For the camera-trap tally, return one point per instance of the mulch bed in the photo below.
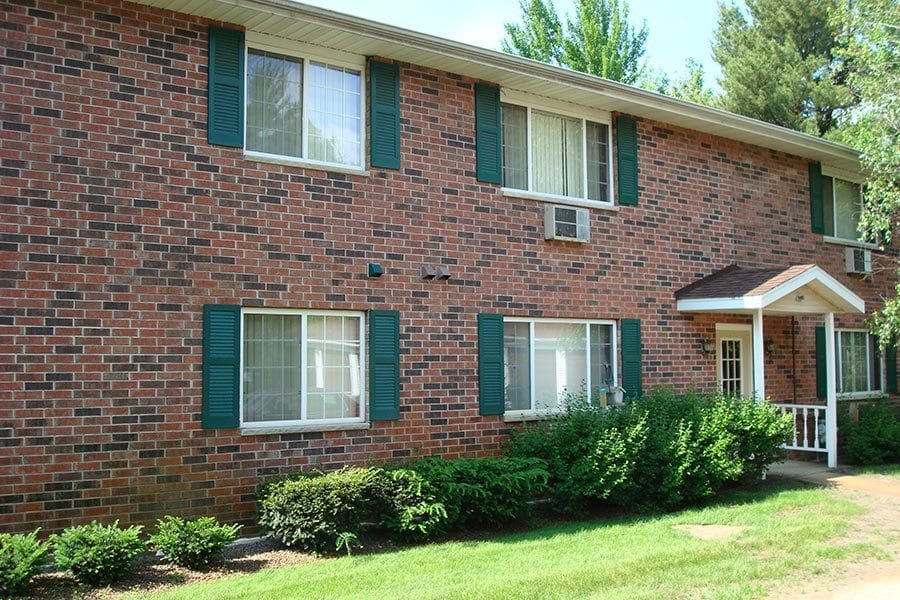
(152, 574)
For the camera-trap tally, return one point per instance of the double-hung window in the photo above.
(547, 362)
(843, 208)
(304, 106)
(858, 363)
(301, 367)
(556, 155)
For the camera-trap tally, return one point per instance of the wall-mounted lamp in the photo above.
(769, 347)
(707, 346)
(799, 298)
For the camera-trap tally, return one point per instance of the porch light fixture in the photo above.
(707, 346)
(769, 347)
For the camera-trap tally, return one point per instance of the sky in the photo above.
(679, 29)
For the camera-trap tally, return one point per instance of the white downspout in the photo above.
(759, 376)
(831, 393)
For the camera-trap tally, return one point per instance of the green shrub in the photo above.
(195, 543)
(321, 513)
(21, 558)
(874, 438)
(98, 554)
(483, 491)
(656, 453)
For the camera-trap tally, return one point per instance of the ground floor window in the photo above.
(548, 361)
(858, 363)
(301, 367)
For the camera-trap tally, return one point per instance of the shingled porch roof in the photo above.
(796, 289)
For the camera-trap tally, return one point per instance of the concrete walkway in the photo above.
(812, 472)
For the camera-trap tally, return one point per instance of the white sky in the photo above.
(679, 29)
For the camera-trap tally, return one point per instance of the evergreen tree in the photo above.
(598, 41)
(779, 63)
(871, 47)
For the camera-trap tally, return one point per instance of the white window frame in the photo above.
(836, 175)
(614, 351)
(303, 422)
(307, 53)
(530, 103)
(869, 360)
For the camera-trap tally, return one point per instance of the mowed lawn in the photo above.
(789, 535)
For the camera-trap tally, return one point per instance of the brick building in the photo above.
(240, 240)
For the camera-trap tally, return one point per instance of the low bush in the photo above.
(21, 558)
(479, 492)
(656, 453)
(194, 543)
(873, 438)
(98, 554)
(324, 513)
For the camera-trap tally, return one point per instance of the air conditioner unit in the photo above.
(858, 260)
(567, 223)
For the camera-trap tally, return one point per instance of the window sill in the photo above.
(308, 164)
(861, 395)
(250, 430)
(514, 193)
(526, 416)
(854, 243)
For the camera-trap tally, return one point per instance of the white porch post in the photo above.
(759, 376)
(831, 393)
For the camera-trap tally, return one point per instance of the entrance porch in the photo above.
(798, 290)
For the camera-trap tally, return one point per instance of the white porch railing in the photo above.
(809, 426)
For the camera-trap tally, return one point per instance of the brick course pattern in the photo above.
(119, 222)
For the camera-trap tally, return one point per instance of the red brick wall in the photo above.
(119, 222)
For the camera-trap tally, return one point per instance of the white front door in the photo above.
(734, 359)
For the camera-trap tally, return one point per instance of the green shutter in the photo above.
(384, 365)
(631, 358)
(490, 365)
(226, 87)
(488, 149)
(384, 117)
(890, 370)
(221, 362)
(821, 364)
(816, 198)
(627, 160)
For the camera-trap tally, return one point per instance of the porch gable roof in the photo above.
(796, 289)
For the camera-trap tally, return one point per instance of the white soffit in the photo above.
(312, 25)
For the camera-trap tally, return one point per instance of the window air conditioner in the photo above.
(567, 223)
(858, 260)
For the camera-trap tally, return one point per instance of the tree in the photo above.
(871, 46)
(691, 86)
(598, 41)
(779, 63)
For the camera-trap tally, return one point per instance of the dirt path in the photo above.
(876, 578)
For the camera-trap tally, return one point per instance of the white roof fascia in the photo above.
(719, 304)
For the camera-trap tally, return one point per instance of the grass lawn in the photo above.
(891, 470)
(790, 532)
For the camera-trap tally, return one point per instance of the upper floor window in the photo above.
(301, 367)
(304, 108)
(843, 208)
(548, 361)
(555, 154)
(858, 364)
